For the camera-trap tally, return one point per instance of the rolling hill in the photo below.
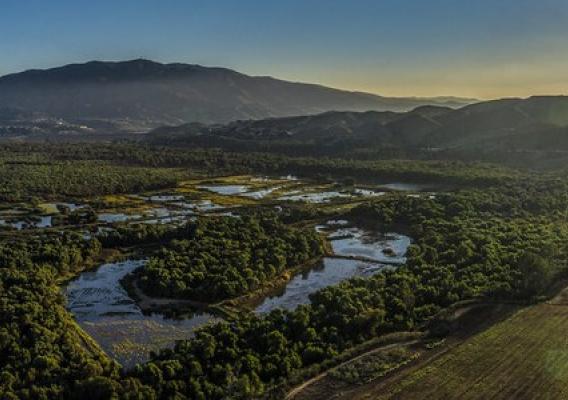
(533, 124)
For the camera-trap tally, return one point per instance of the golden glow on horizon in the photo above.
(512, 82)
(486, 78)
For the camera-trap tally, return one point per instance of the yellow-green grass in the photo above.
(192, 192)
(523, 357)
(249, 180)
(48, 208)
(228, 201)
(125, 204)
(253, 182)
(191, 189)
(187, 190)
(114, 200)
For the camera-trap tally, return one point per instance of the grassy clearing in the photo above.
(48, 208)
(191, 190)
(227, 201)
(376, 365)
(524, 357)
(249, 180)
(254, 183)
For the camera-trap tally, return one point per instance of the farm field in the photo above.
(524, 357)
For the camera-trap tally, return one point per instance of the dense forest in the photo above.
(220, 258)
(78, 170)
(505, 239)
(490, 256)
(22, 179)
(41, 351)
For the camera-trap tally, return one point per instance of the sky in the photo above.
(470, 48)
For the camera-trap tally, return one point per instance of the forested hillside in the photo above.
(517, 127)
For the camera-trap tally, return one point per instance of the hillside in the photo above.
(143, 94)
(533, 124)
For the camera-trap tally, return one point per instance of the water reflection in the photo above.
(34, 222)
(373, 249)
(321, 197)
(227, 190)
(356, 242)
(330, 272)
(104, 310)
(327, 196)
(260, 194)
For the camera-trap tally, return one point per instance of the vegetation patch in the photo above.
(219, 258)
(373, 366)
(523, 357)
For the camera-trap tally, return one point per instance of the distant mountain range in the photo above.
(533, 124)
(140, 94)
(219, 107)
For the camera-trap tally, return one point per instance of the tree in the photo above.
(535, 275)
(97, 388)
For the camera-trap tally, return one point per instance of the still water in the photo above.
(105, 311)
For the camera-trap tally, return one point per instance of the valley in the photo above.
(176, 271)
(294, 200)
(128, 328)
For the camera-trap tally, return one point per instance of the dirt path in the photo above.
(561, 299)
(365, 259)
(297, 390)
(469, 320)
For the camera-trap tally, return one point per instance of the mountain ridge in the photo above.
(151, 94)
(534, 123)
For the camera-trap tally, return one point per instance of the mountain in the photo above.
(533, 124)
(142, 94)
(511, 122)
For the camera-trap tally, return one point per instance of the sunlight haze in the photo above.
(482, 49)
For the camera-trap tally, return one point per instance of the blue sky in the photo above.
(478, 48)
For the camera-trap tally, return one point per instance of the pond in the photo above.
(356, 242)
(327, 196)
(180, 220)
(260, 194)
(321, 197)
(72, 206)
(368, 192)
(34, 222)
(176, 212)
(104, 310)
(241, 190)
(165, 198)
(117, 217)
(349, 242)
(201, 206)
(330, 272)
(150, 216)
(228, 190)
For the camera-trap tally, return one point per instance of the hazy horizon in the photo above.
(396, 48)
